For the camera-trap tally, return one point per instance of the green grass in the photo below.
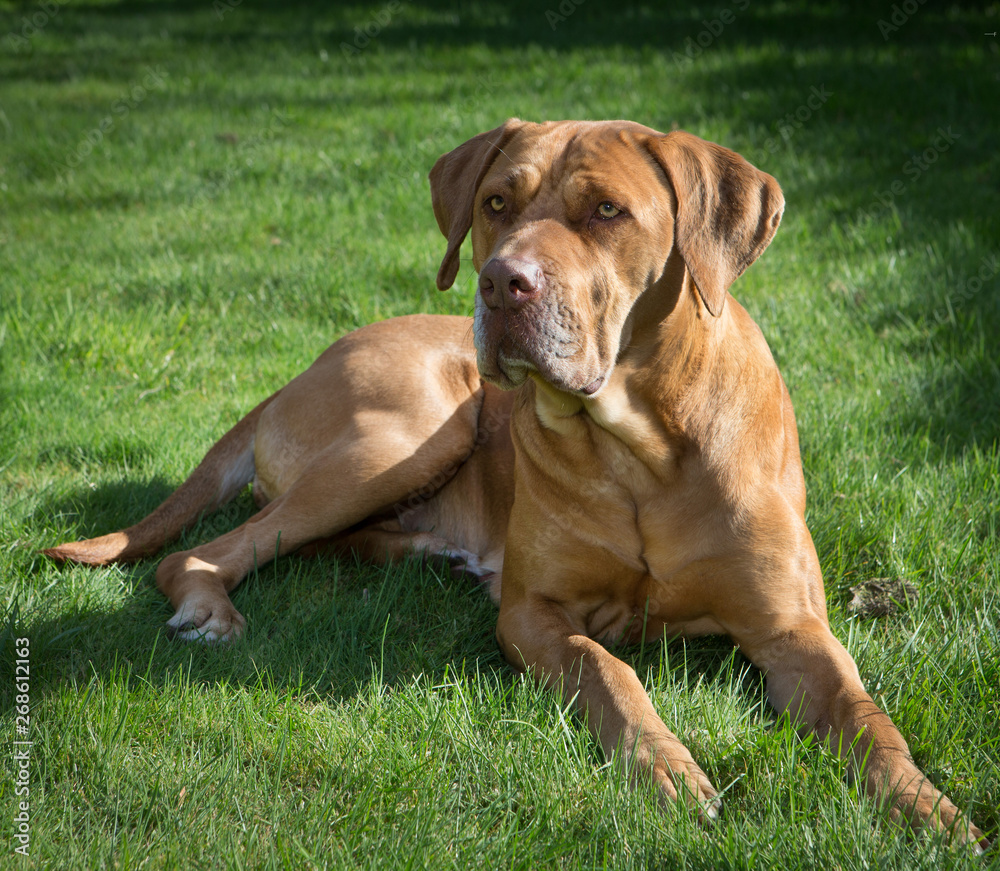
(266, 195)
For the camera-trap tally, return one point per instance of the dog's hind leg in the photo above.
(367, 468)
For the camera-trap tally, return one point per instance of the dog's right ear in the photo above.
(455, 179)
(727, 210)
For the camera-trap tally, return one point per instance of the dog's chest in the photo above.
(623, 538)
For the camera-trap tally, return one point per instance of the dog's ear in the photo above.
(727, 210)
(455, 179)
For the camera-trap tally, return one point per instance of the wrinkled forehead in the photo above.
(580, 160)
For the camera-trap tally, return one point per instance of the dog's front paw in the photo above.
(933, 811)
(678, 778)
(209, 620)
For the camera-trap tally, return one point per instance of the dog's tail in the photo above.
(227, 468)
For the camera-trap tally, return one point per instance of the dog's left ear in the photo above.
(455, 179)
(727, 210)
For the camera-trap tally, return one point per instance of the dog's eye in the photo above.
(496, 203)
(608, 210)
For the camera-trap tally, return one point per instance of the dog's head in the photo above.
(572, 221)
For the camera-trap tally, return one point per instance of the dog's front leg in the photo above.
(538, 637)
(812, 677)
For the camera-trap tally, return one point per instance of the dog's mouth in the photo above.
(505, 372)
(511, 374)
(508, 366)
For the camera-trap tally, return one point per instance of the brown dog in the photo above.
(618, 447)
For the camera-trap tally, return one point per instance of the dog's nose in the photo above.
(509, 284)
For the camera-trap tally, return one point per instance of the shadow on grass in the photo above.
(324, 626)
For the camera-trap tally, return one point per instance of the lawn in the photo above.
(197, 197)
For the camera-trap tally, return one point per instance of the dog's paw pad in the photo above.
(206, 635)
